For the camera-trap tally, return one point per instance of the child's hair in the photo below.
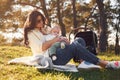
(55, 26)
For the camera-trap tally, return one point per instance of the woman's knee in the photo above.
(81, 41)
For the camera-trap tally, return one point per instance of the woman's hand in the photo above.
(65, 40)
(48, 44)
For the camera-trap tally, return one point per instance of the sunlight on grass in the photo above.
(22, 72)
(109, 56)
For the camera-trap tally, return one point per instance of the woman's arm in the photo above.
(47, 44)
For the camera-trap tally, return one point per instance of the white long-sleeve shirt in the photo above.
(36, 39)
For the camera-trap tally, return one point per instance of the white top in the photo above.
(36, 39)
(49, 37)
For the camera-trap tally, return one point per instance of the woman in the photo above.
(34, 37)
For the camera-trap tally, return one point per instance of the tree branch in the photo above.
(86, 23)
(22, 3)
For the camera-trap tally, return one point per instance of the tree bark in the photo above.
(43, 4)
(117, 47)
(74, 14)
(86, 22)
(103, 27)
(117, 50)
(60, 19)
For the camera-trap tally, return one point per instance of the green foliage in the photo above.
(22, 72)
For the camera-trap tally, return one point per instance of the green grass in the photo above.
(22, 72)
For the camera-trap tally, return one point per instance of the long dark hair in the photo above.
(31, 23)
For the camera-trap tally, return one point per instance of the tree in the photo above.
(60, 19)
(74, 14)
(117, 28)
(103, 26)
(113, 20)
(91, 13)
(4, 12)
(67, 13)
(43, 4)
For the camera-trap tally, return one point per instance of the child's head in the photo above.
(56, 30)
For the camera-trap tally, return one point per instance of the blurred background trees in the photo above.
(101, 15)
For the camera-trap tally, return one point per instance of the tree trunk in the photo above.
(117, 50)
(60, 19)
(103, 27)
(45, 11)
(92, 11)
(74, 14)
(117, 47)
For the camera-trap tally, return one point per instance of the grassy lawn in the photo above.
(22, 72)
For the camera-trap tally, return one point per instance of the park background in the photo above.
(102, 16)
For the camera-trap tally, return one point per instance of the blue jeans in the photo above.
(75, 49)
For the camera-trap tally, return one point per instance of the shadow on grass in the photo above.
(72, 75)
(102, 74)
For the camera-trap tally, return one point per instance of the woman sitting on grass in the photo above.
(35, 38)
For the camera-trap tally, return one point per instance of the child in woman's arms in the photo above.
(55, 32)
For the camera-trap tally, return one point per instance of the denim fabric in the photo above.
(75, 49)
(80, 40)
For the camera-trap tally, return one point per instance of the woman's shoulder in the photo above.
(35, 34)
(34, 31)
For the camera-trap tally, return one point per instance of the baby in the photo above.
(55, 32)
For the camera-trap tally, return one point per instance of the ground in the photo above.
(22, 72)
